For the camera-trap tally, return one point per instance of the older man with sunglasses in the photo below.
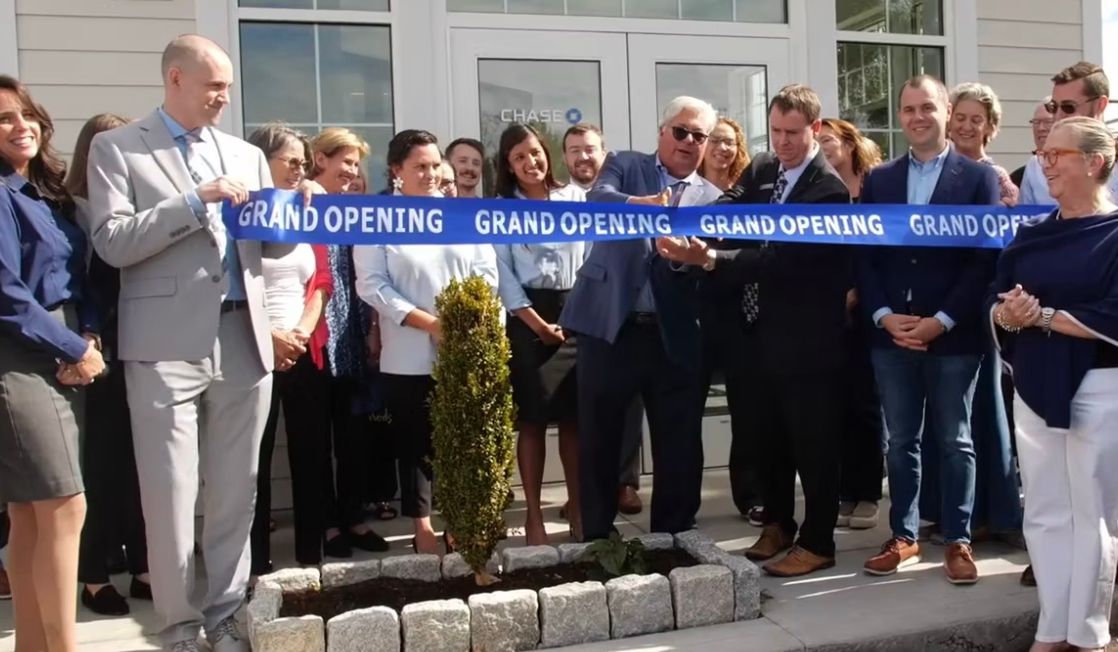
(1079, 90)
(636, 316)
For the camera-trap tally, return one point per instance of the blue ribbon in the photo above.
(279, 216)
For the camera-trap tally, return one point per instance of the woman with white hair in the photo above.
(976, 113)
(1054, 315)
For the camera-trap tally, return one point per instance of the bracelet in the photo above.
(1000, 320)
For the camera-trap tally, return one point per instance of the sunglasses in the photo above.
(1068, 107)
(681, 134)
(1052, 156)
(296, 163)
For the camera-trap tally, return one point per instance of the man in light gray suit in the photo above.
(194, 336)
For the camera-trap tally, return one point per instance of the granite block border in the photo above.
(722, 588)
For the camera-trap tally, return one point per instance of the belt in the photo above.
(230, 306)
(643, 319)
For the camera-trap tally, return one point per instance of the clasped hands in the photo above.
(911, 331)
(1018, 309)
(89, 367)
(288, 346)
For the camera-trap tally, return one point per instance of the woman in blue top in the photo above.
(1055, 319)
(48, 344)
(534, 280)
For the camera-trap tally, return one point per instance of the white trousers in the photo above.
(1071, 511)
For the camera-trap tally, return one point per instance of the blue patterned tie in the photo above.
(751, 294)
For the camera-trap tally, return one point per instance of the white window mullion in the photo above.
(317, 78)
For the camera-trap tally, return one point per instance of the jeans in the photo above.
(910, 383)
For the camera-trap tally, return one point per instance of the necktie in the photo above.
(751, 294)
(202, 171)
(677, 192)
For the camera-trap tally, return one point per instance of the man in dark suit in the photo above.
(929, 336)
(637, 322)
(787, 359)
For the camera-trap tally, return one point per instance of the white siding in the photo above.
(1021, 44)
(83, 57)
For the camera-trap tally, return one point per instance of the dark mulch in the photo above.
(396, 593)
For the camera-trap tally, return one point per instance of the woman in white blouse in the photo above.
(534, 282)
(401, 283)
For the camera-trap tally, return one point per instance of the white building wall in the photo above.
(1021, 45)
(82, 57)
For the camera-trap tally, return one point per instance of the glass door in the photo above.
(736, 75)
(550, 80)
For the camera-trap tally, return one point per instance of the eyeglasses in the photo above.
(294, 163)
(1041, 122)
(1068, 107)
(724, 142)
(1052, 156)
(681, 134)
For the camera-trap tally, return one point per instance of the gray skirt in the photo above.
(40, 422)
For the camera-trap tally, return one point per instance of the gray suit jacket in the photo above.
(171, 280)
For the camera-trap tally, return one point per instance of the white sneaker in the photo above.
(227, 638)
(846, 508)
(864, 516)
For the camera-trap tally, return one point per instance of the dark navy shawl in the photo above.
(1070, 265)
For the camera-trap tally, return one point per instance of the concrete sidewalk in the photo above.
(839, 609)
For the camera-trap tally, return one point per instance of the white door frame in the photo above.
(468, 46)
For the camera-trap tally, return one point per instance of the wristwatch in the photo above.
(1046, 315)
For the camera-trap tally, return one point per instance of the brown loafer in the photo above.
(629, 501)
(1027, 577)
(958, 564)
(896, 553)
(798, 562)
(774, 540)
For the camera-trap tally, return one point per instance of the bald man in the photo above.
(194, 336)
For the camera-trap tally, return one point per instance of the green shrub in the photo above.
(472, 416)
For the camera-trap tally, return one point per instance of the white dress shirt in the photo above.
(397, 279)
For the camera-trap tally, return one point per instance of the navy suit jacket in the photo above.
(951, 280)
(614, 273)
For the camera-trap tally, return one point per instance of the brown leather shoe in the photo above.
(5, 586)
(896, 553)
(958, 563)
(773, 541)
(1027, 577)
(628, 500)
(798, 562)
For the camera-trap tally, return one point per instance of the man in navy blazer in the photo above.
(636, 316)
(926, 304)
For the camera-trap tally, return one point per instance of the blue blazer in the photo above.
(952, 280)
(614, 273)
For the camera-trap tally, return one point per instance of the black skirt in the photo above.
(543, 376)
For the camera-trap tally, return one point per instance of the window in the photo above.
(320, 75)
(890, 16)
(870, 72)
(742, 11)
(737, 92)
(363, 5)
(870, 76)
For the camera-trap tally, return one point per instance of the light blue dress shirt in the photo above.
(922, 179)
(550, 266)
(231, 258)
(646, 301)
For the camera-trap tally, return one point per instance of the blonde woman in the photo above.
(337, 153)
(726, 156)
(976, 114)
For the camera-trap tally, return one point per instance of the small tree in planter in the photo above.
(472, 416)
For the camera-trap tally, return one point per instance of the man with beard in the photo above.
(467, 156)
(584, 152)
